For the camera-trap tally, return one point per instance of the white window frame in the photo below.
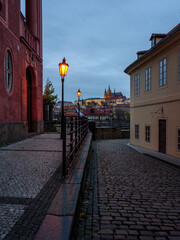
(147, 133)
(136, 131)
(163, 72)
(153, 42)
(136, 84)
(148, 79)
(8, 71)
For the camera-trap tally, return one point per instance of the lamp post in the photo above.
(79, 123)
(63, 67)
(78, 95)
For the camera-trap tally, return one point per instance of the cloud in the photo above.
(99, 39)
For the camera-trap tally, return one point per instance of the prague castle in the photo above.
(109, 95)
(110, 98)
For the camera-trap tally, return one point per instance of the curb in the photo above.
(61, 217)
(156, 155)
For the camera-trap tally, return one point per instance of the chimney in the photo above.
(140, 54)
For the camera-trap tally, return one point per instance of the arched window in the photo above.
(8, 71)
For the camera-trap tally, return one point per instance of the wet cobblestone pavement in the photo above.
(129, 196)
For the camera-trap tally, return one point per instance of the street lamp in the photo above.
(78, 95)
(63, 67)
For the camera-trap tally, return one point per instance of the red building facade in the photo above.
(21, 109)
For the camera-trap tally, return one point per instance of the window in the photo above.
(23, 7)
(8, 71)
(163, 72)
(137, 131)
(136, 81)
(148, 79)
(179, 139)
(147, 133)
(179, 64)
(153, 42)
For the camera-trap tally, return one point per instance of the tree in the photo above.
(119, 114)
(93, 103)
(127, 115)
(104, 104)
(48, 96)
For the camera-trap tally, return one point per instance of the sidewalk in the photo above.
(160, 156)
(60, 220)
(30, 177)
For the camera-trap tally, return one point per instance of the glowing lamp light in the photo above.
(63, 67)
(78, 93)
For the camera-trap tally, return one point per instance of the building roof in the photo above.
(141, 52)
(127, 105)
(71, 114)
(157, 35)
(66, 107)
(97, 113)
(167, 36)
(92, 99)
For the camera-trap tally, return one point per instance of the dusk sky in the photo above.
(99, 39)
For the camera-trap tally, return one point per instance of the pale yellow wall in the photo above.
(150, 115)
(157, 93)
(145, 106)
(98, 101)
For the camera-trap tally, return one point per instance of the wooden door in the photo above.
(162, 136)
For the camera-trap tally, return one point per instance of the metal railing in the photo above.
(77, 128)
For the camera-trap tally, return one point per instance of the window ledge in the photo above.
(162, 87)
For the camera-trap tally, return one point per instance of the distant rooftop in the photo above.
(91, 98)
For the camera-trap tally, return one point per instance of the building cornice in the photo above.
(23, 40)
(154, 101)
(155, 50)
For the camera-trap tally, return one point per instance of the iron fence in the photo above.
(77, 128)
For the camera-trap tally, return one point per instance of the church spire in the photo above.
(109, 91)
(105, 94)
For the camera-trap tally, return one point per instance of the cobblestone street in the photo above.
(129, 196)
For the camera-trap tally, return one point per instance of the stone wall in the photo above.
(111, 133)
(12, 131)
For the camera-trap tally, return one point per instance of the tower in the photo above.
(105, 94)
(109, 92)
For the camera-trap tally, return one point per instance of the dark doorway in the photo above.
(29, 100)
(162, 136)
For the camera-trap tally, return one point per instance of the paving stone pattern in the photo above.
(9, 214)
(30, 175)
(23, 174)
(129, 196)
